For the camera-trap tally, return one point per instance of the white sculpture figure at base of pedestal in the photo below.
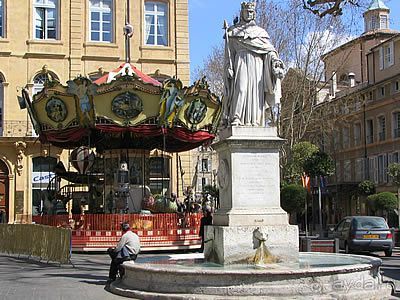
(249, 182)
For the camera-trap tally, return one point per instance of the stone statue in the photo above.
(253, 71)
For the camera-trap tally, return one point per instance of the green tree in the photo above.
(295, 166)
(366, 188)
(293, 198)
(319, 164)
(385, 201)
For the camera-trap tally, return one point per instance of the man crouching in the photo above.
(127, 248)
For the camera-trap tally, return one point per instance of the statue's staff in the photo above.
(230, 74)
(227, 49)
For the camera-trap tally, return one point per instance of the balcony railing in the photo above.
(17, 128)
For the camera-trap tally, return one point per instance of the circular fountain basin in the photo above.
(316, 275)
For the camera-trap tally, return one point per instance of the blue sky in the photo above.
(206, 20)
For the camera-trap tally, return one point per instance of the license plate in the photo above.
(371, 236)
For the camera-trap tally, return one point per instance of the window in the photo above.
(46, 19)
(359, 169)
(40, 80)
(101, 20)
(346, 137)
(370, 131)
(386, 55)
(347, 171)
(42, 173)
(396, 124)
(357, 134)
(1, 18)
(204, 182)
(156, 29)
(382, 91)
(373, 169)
(204, 165)
(382, 168)
(159, 166)
(372, 23)
(396, 86)
(1, 105)
(382, 128)
(384, 22)
(394, 158)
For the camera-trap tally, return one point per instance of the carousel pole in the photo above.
(128, 32)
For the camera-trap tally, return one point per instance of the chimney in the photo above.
(352, 79)
(333, 84)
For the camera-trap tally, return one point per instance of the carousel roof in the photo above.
(124, 109)
(126, 69)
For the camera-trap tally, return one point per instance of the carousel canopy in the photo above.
(125, 109)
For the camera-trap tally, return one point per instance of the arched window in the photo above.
(40, 79)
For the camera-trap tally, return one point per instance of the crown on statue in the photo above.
(248, 5)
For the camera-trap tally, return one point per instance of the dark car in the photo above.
(364, 233)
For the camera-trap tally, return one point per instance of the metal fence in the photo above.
(44, 242)
(97, 232)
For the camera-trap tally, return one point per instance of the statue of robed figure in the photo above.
(253, 72)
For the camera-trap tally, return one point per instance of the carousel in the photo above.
(111, 127)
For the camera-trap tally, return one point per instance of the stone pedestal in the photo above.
(249, 182)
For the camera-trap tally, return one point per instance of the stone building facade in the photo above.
(361, 113)
(64, 39)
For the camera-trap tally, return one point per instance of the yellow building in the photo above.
(56, 39)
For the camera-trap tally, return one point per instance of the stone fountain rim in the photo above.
(371, 263)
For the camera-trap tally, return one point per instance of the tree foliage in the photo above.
(366, 188)
(293, 198)
(394, 173)
(385, 201)
(295, 167)
(319, 164)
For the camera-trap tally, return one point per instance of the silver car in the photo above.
(364, 233)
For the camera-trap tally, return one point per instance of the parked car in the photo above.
(364, 233)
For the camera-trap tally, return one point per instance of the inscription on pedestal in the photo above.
(255, 180)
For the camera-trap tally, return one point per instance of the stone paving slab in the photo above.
(22, 278)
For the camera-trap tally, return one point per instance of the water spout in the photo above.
(262, 256)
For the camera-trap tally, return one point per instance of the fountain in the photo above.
(251, 250)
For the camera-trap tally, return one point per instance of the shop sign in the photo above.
(42, 177)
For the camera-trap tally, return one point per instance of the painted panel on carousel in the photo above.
(201, 109)
(171, 102)
(54, 108)
(127, 105)
(83, 91)
(126, 101)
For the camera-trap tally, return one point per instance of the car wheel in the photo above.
(346, 248)
(388, 253)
